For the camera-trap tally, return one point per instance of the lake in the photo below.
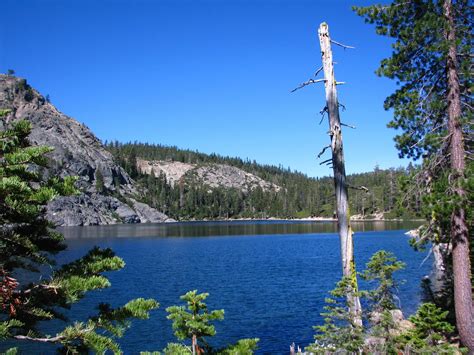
(271, 277)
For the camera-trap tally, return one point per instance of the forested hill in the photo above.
(187, 184)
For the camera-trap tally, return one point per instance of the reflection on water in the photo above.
(272, 285)
(197, 229)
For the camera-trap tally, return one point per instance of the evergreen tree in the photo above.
(28, 242)
(193, 321)
(339, 332)
(381, 299)
(430, 333)
(433, 111)
(99, 181)
(379, 270)
(380, 333)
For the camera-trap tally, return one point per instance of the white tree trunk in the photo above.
(342, 202)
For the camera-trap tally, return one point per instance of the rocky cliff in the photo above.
(77, 152)
(212, 175)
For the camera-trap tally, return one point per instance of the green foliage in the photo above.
(418, 64)
(26, 239)
(242, 347)
(99, 333)
(339, 331)
(193, 322)
(6, 326)
(177, 349)
(381, 299)
(11, 351)
(299, 197)
(28, 242)
(379, 270)
(194, 319)
(99, 181)
(430, 333)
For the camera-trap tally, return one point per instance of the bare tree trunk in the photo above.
(194, 344)
(342, 202)
(459, 229)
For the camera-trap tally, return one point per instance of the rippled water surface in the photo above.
(270, 277)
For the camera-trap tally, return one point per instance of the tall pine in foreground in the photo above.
(28, 243)
(432, 60)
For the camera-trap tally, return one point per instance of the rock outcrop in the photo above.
(77, 152)
(211, 175)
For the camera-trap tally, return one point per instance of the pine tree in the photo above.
(379, 274)
(28, 242)
(99, 181)
(380, 333)
(193, 322)
(340, 332)
(379, 270)
(433, 110)
(430, 332)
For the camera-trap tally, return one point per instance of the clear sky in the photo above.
(210, 75)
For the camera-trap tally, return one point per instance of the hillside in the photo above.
(212, 175)
(192, 185)
(77, 152)
(136, 182)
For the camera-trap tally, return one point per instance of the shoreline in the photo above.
(306, 219)
(256, 220)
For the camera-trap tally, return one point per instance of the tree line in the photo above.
(300, 196)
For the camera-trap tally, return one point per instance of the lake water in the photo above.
(270, 277)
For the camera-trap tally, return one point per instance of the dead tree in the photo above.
(337, 161)
(340, 184)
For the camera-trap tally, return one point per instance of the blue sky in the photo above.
(208, 75)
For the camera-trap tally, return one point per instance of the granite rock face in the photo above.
(91, 209)
(77, 152)
(148, 214)
(211, 175)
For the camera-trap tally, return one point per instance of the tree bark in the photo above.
(459, 229)
(342, 203)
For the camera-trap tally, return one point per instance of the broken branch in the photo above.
(362, 188)
(341, 45)
(323, 112)
(306, 83)
(348, 125)
(322, 151)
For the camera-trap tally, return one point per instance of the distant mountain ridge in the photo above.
(77, 152)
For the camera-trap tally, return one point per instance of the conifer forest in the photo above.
(113, 240)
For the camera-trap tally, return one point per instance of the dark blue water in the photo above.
(272, 286)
